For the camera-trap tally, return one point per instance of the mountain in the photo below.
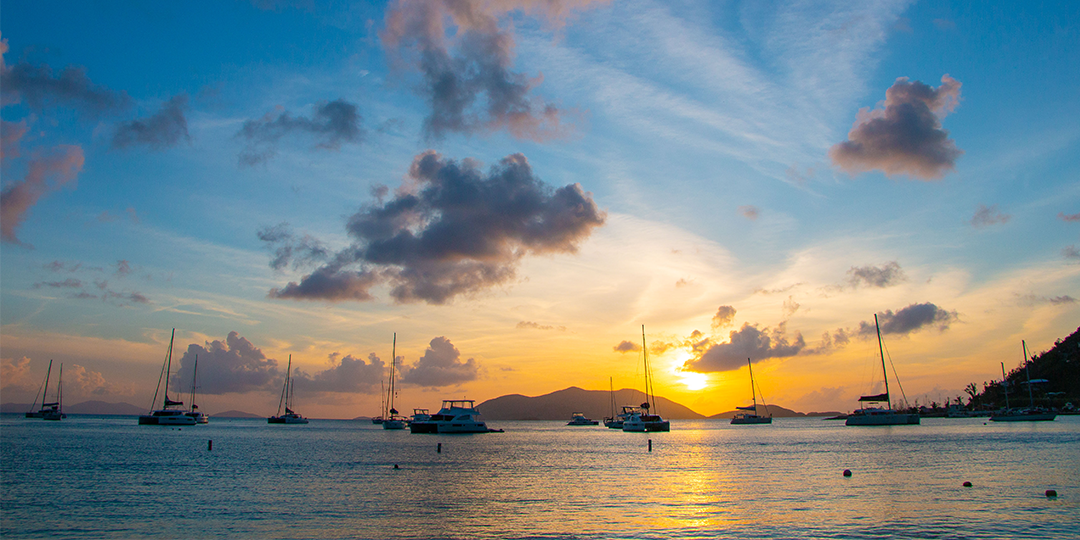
(778, 412)
(1059, 368)
(235, 414)
(596, 404)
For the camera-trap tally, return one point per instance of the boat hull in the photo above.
(751, 419)
(640, 426)
(393, 424)
(613, 424)
(287, 419)
(882, 419)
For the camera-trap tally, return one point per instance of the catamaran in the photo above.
(55, 411)
(393, 420)
(749, 414)
(39, 413)
(641, 419)
(290, 416)
(166, 415)
(876, 416)
(1031, 414)
(199, 416)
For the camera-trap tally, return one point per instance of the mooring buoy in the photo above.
(1051, 493)
(209, 445)
(438, 449)
(847, 472)
(967, 484)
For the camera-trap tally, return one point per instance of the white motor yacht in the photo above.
(455, 416)
(579, 419)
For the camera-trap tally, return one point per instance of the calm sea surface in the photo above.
(106, 477)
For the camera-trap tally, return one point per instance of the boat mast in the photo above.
(285, 389)
(194, 381)
(1027, 368)
(881, 350)
(611, 392)
(60, 390)
(168, 367)
(393, 362)
(645, 355)
(753, 393)
(44, 391)
(1005, 385)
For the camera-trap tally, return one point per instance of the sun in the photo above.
(694, 381)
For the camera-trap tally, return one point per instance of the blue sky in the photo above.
(700, 136)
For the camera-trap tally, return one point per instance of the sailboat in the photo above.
(290, 416)
(1031, 414)
(750, 416)
(876, 416)
(199, 416)
(640, 419)
(32, 413)
(55, 411)
(615, 421)
(166, 415)
(393, 420)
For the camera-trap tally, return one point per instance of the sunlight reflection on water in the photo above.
(106, 476)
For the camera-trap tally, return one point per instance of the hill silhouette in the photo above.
(777, 412)
(1059, 367)
(559, 405)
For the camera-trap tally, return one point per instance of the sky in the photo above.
(513, 189)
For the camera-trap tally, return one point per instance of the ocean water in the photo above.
(106, 477)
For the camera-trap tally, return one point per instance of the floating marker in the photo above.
(847, 472)
(396, 467)
(1051, 493)
(650, 445)
(967, 484)
(438, 449)
(209, 445)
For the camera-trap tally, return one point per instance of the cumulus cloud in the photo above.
(330, 125)
(904, 137)
(165, 128)
(465, 59)
(724, 316)
(910, 319)
(986, 216)
(233, 365)
(13, 372)
(39, 88)
(453, 231)
(84, 382)
(748, 342)
(350, 374)
(1068, 217)
(441, 365)
(626, 346)
(879, 277)
(749, 212)
(46, 171)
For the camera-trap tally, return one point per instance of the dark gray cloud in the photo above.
(1068, 217)
(287, 248)
(350, 374)
(1063, 299)
(454, 231)
(441, 365)
(986, 216)
(163, 129)
(331, 125)
(724, 316)
(910, 319)
(46, 171)
(748, 342)
(880, 277)
(233, 365)
(67, 283)
(40, 89)
(906, 136)
(626, 346)
(466, 59)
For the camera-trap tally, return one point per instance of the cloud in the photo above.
(985, 217)
(441, 365)
(40, 89)
(46, 171)
(67, 283)
(288, 249)
(13, 372)
(81, 381)
(123, 268)
(1070, 253)
(1064, 299)
(747, 342)
(749, 212)
(351, 374)
(910, 319)
(331, 125)
(165, 128)
(538, 326)
(453, 231)
(724, 316)
(879, 277)
(626, 346)
(465, 60)
(10, 135)
(1068, 217)
(906, 136)
(233, 365)
(791, 306)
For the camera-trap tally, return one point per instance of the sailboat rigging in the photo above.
(194, 412)
(1031, 414)
(876, 416)
(393, 420)
(290, 416)
(166, 415)
(39, 413)
(55, 410)
(641, 419)
(750, 416)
